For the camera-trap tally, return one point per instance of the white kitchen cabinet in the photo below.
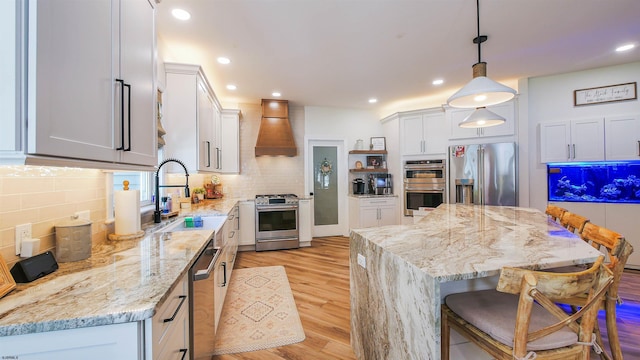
(423, 133)
(247, 238)
(228, 149)
(621, 218)
(199, 132)
(170, 324)
(117, 341)
(372, 211)
(575, 140)
(304, 221)
(189, 110)
(622, 137)
(507, 110)
(90, 84)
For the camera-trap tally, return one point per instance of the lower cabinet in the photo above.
(247, 236)
(372, 211)
(170, 325)
(118, 341)
(304, 221)
(621, 218)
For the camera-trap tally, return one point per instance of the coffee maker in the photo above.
(359, 186)
(382, 184)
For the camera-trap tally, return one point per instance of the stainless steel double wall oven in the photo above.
(425, 183)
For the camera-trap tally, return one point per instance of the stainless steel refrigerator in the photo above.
(483, 174)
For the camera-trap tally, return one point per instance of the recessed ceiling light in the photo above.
(438, 82)
(224, 60)
(625, 47)
(231, 87)
(276, 94)
(181, 14)
(373, 101)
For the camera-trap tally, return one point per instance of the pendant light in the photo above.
(481, 91)
(481, 117)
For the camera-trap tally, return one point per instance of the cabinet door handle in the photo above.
(208, 153)
(128, 148)
(184, 353)
(224, 273)
(121, 147)
(173, 317)
(638, 147)
(574, 151)
(219, 158)
(568, 151)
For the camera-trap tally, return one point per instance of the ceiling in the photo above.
(340, 53)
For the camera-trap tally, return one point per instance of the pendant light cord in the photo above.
(478, 22)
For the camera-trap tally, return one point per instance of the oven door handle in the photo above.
(438, 190)
(424, 167)
(203, 274)
(276, 207)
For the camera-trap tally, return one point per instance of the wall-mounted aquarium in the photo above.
(611, 182)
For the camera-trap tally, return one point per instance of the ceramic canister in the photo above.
(73, 240)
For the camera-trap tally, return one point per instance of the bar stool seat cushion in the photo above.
(494, 313)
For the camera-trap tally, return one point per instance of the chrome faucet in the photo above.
(157, 212)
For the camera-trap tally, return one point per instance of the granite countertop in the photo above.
(122, 281)
(456, 242)
(362, 196)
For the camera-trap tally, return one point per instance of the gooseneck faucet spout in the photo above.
(157, 212)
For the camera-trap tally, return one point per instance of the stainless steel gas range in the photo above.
(277, 225)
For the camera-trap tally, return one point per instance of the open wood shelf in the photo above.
(368, 152)
(364, 170)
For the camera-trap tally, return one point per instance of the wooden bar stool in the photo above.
(573, 222)
(555, 212)
(525, 300)
(618, 251)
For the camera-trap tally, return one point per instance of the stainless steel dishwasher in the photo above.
(202, 287)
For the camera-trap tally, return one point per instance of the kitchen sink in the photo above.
(213, 222)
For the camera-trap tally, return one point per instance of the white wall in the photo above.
(550, 98)
(336, 123)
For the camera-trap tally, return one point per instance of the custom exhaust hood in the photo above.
(275, 136)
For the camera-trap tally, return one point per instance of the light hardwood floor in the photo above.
(319, 278)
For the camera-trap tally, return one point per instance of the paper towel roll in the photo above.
(127, 212)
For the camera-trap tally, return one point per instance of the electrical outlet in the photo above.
(84, 215)
(23, 232)
(362, 261)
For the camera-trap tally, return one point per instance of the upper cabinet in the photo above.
(199, 132)
(575, 140)
(598, 139)
(506, 110)
(228, 149)
(423, 133)
(622, 137)
(89, 88)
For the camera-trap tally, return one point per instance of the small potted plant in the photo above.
(199, 193)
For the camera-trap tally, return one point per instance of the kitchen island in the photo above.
(121, 286)
(400, 274)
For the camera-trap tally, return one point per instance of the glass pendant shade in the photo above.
(482, 117)
(481, 92)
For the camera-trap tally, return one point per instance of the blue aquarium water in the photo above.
(611, 182)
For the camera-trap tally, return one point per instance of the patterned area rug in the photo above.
(259, 312)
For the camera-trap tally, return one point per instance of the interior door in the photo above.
(326, 179)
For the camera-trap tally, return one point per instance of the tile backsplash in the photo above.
(44, 196)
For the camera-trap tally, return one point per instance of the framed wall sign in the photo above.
(378, 143)
(605, 94)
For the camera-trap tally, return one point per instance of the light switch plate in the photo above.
(84, 215)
